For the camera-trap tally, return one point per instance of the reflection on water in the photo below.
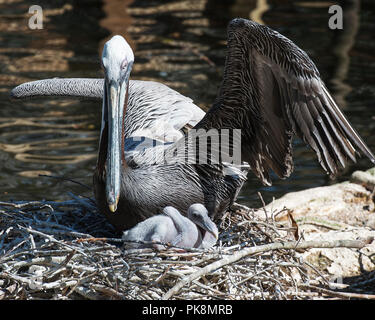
(179, 43)
(257, 13)
(343, 43)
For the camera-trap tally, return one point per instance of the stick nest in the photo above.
(47, 251)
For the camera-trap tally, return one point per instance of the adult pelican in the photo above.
(271, 90)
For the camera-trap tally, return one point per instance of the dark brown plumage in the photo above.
(271, 90)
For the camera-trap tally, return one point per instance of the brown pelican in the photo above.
(195, 231)
(271, 90)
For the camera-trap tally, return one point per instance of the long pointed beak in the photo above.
(115, 99)
(208, 225)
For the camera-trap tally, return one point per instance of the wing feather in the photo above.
(271, 90)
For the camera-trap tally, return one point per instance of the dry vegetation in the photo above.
(52, 250)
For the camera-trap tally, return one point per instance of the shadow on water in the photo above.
(179, 43)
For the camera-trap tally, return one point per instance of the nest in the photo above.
(60, 250)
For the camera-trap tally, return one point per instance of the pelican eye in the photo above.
(124, 64)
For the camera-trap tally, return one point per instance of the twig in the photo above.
(82, 202)
(107, 291)
(348, 295)
(66, 179)
(263, 205)
(50, 238)
(236, 206)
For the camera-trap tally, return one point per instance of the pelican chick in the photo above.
(172, 228)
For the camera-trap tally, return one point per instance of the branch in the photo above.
(339, 294)
(264, 248)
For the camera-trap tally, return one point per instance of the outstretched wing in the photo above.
(154, 110)
(271, 90)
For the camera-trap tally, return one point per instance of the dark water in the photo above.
(179, 43)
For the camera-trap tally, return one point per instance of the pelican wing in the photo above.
(154, 110)
(271, 90)
(180, 222)
(158, 112)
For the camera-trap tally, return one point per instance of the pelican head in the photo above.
(199, 215)
(117, 61)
